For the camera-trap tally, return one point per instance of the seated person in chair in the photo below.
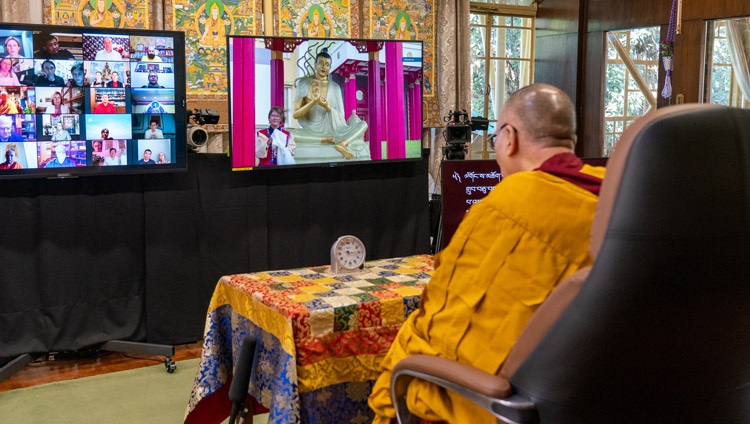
(509, 252)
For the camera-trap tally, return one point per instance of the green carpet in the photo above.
(144, 395)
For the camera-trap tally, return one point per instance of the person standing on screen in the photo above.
(153, 132)
(153, 81)
(61, 159)
(7, 106)
(150, 55)
(319, 108)
(146, 158)
(162, 159)
(60, 133)
(101, 17)
(108, 53)
(7, 130)
(105, 134)
(7, 76)
(48, 77)
(115, 83)
(105, 106)
(78, 76)
(274, 145)
(57, 104)
(10, 159)
(50, 48)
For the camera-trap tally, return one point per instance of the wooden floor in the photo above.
(44, 371)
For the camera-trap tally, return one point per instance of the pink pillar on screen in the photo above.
(394, 77)
(415, 110)
(383, 111)
(374, 104)
(243, 103)
(350, 95)
(410, 111)
(277, 79)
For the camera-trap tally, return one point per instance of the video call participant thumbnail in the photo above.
(150, 55)
(105, 106)
(147, 158)
(49, 47)
(12, 48)
(7, 76)
(108, 52)
(8, 130)
(60, 159)
(49, 77)
(10, 159)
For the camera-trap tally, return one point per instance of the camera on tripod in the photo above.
(197, 136)
(458, 133)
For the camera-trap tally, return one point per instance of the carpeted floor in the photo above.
(144, 395)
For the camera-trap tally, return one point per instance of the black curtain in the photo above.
(137, 257)
(73, 270)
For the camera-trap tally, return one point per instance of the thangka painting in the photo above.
(412, 20)
(206, 25)
(318, 18)
(97, 13)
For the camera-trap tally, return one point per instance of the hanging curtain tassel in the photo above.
(667, 91)
(667, 50)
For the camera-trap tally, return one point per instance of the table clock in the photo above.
(347, 255)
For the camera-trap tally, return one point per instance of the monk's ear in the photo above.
(511, 140)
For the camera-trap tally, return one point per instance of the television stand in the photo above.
(143, 349)
(123, 346)
(14, 366)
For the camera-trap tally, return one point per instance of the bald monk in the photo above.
(509, 252)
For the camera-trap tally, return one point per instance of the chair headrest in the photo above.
(616, 165)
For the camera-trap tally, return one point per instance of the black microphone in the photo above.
(241, 377)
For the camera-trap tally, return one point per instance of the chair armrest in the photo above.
(490, 392)
(455, 373)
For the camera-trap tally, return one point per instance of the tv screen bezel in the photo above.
(178, 163)
(262, 116)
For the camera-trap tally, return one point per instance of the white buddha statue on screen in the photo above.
(325, 135)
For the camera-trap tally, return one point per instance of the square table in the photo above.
(320, 336)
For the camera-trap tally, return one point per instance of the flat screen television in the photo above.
(86, 101)
(343, 101)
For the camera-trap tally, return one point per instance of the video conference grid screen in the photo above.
(85, 99)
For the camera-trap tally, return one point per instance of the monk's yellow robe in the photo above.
(511, 249)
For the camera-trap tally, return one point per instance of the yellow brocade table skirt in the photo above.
(321, 338)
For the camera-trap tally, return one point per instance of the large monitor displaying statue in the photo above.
(325, 102)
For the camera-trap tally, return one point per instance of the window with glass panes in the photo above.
(721, 86)
(631, 82)
(502, 61)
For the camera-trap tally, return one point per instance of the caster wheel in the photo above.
(170, 365)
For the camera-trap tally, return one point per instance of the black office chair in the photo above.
(659, 331)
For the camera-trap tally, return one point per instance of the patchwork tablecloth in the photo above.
(321, 338)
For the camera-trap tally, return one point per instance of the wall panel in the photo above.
(604, 15)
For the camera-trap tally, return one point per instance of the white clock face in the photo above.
(350, 253)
